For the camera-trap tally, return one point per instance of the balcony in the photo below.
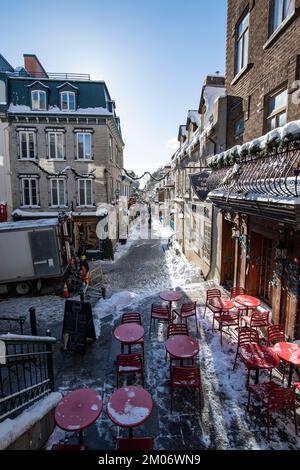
(52, 76)
(264, 183)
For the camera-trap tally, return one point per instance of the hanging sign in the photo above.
(199, 183)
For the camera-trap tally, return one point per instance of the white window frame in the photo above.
(56, 146)
(79, 203)
(39, 100)
(27, 133)
(241, 38)
(68, 93)
(30, 178)
(84, 150)
(279, 111)
(283, 19)
(60, 203)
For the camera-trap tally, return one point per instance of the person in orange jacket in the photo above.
(84, 270)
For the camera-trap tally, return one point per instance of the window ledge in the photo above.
(279, 30)
(85, 160)
(27, 159)
(241, 73)
(30, 207)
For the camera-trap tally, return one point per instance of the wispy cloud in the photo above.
(172, 144)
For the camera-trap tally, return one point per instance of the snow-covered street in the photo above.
(141, 270)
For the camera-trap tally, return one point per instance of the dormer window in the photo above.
(67, 101)
(38, 100)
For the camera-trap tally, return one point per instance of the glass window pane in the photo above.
(245, 50)
(71, 102)
(31, 144)
(33, 192)
(26, 197)
(23, 145)
(61, 189)
(277, 101)
(88, 192)
(243, 24)
(54, 192)
(60, 145)
(81, 193)
(52, 153)
(282, 119)
(80, 145)
(88, 146)
(42, 100)
(288, 7)
(35, 100)
(64, 101)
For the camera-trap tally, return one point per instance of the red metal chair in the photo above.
(257, 319)
(133, 317)
(226, 318)
(186, 311)
(275, 334)
(211, 294)
(246, 335)
(185, 377)
(275, 398)
(129, 364)
(159, 312)
(235, 291)
(177, 329)
(135, 443)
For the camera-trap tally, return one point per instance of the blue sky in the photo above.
(153, 55)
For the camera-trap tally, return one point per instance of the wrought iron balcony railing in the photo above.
(274, 174)
(53, 76)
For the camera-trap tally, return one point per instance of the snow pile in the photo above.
(112, 306)
(12, 429)
(181, 272)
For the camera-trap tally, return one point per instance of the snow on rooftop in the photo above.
(24, 224)
(23, 109)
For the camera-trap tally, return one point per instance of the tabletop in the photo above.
(130, 406)
(182, 346)
(170, 296)
(247, 301)
(78, 410)
(289, 352)
(258, 356)
(222, 303)
(129, 332)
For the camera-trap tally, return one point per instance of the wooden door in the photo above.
(228, 255)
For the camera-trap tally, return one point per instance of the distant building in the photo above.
(65, 146)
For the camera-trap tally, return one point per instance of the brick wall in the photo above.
(269, 67)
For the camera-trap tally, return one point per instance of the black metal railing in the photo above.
(54, 76)
(273, 174)
(12, 325)
(26, 372)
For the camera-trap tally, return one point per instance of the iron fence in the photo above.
(26, 372)
(15, 325)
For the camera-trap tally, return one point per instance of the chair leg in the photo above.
(283, 372)
(204, 311)
(197, 329)
(221, 335)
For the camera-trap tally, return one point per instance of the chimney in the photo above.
(33, 66)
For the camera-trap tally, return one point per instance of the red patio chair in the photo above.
(129, 364)
(246, 335)
(186, 311)
(133, 317)
(69, 447)
(275, 398)
(159, 312)
(177, 329)
(185, 377)
(257, 319)
(275, 334)
(211, 294)
(226, 318)
(135, 443)
(235, 291)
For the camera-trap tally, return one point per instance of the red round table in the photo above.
(288, 352)
(182, 347)
(257, 357)
(129, 333)
(170, 296)
(78, 410)
(222, 303)
(247, 301)
(129, 407)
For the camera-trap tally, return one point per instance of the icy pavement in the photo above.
(135, 280)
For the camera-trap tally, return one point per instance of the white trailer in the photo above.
(30, 251)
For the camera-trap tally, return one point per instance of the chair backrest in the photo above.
(177, 329)
(135, 443)
(235, 291)
(275, 334)
(190, 307)
(281, 398)
(247, 335)
(129, 360)
(232, 315)
(188, 376)
(131, 317)
(259, 318)
(211, 293)
(161, 309)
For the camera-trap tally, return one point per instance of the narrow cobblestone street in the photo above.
(143, 270)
